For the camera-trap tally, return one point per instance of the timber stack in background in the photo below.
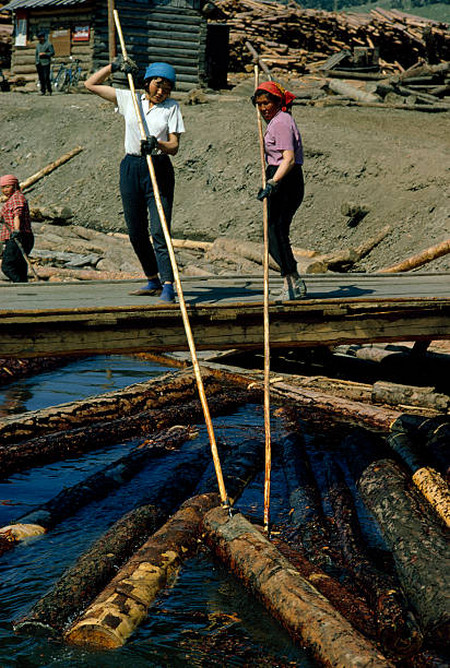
(292, 38)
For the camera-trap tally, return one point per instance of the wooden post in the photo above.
(111, 32)
(183, 309)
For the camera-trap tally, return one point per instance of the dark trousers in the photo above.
(14, 265)
(281, 209)
(44, 78)
(138, 198)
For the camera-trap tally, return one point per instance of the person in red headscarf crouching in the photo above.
(16, 230)
(285, 186)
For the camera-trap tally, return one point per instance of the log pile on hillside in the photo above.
(291, 38)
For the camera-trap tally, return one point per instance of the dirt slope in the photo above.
(396, 163)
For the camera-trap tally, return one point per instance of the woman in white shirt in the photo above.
(163, 124)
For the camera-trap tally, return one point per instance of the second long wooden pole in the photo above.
(176, 275)
(268, 444)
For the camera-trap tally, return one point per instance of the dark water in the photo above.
(204, 619)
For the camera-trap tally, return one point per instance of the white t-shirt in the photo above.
(159, 120)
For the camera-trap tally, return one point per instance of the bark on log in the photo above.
(352, 607)
(419, 545)
(57, 213)
(343, 88)
(431, 435)
(306, 614)
(398, 631)
(81, 583)
(341, 409)
(60, 445)
(164, 390)
(419, 259)
(124, 603)
(254, 251)
(96, 486)
(50, 167)
(396, 394)
(428, 481)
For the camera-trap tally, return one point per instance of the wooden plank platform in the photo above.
(38, 319)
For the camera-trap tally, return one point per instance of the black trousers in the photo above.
(138, 200)
(44, 78)
(282, 206)
(14, 265)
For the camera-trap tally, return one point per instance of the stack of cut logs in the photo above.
(290, 37)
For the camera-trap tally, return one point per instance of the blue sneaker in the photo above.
(153, 287)
(168, 293)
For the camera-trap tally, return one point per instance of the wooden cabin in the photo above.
(175, 31)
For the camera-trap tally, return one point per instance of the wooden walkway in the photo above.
(39, 319)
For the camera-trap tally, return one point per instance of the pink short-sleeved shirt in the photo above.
(282, 134)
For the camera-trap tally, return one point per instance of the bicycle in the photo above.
(72, 75)
(65, 76)
(56, 76)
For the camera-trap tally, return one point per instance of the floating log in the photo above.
(96, 486)
(352, 607)
(82, 582)
(428, 481)
(239, 465)
(419, 545)
(398, 631)
(50, 168)
(124, 603)
(419, 259)
(167, 389)
(12, 368)
(341, 409)
(431, 435)
(396, 394)
(306, 614)
(307, 518)
(61, 445)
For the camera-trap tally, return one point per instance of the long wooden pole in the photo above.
(268, 446)
(183, 309)
(111, 31)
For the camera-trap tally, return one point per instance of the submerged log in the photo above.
(61, 445)
(123, 604)
(164, 390)
(419, 545)
(307, 615)
(82, 582)
(96, 486)
(12, 368)
(398, 631)
(239, 466)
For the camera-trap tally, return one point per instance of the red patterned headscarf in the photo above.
(9, 180)
(277, 90)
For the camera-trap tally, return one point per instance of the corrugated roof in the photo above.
(34, 4)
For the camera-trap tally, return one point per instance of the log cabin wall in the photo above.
(174, 31)
(51, 21)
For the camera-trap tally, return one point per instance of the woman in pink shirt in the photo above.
(285, 188)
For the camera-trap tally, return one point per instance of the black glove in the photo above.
(126, 65)
(148, 145)
(15, 234)
(268, 191)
